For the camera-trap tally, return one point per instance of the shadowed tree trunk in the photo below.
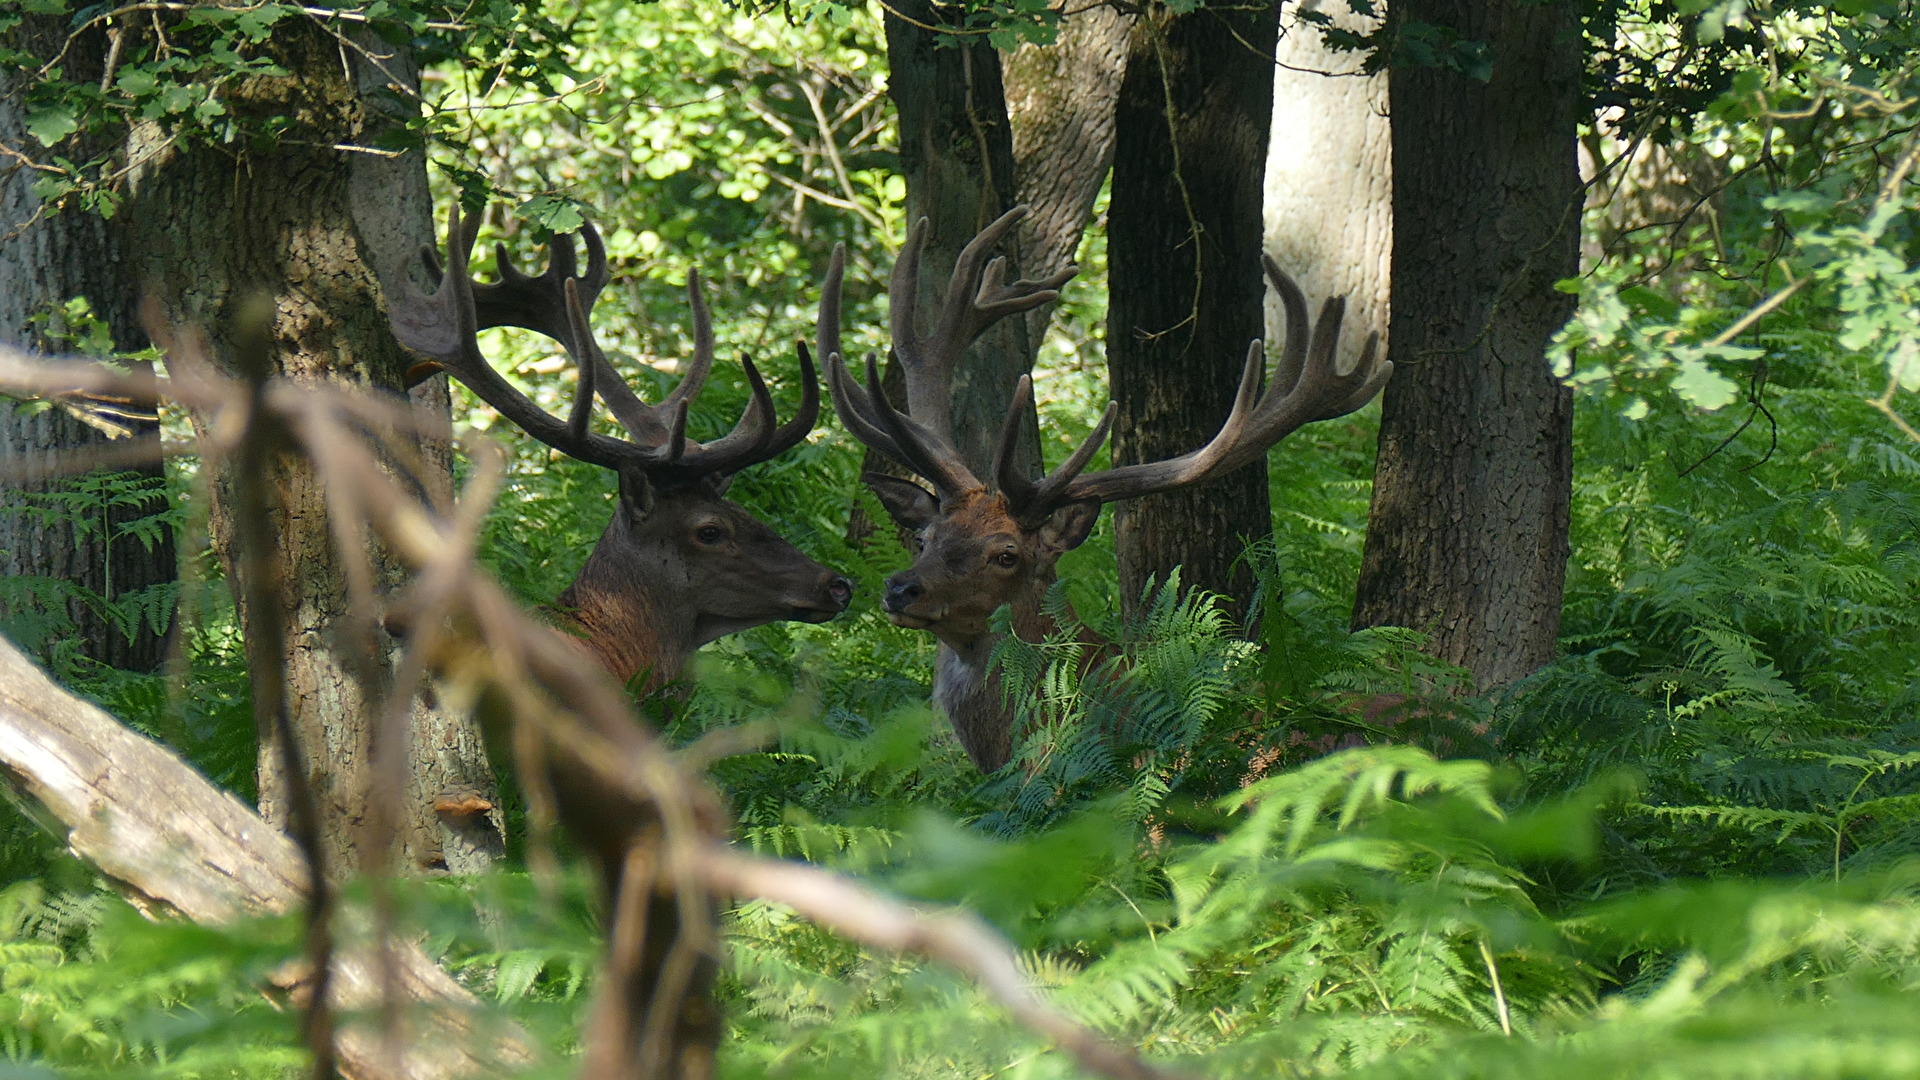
(956, 152)
(48, 257)
(1467, 538)
(307, 225)
(1185, 287)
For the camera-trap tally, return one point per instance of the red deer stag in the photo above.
(980, 545)
(679, 565)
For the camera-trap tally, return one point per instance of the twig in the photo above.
(957, 939)
(259, 445)
(1884, 403)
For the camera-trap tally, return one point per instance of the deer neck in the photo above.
(968, 690)
(623, 625)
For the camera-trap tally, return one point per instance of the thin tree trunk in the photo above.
(48, 257)
(1467, 538)
(1060, 101)
(1185, 287)
(308, 226)
(1330, 177)
(956, 152)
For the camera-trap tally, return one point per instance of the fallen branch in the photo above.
(173, 843)
(955, 938)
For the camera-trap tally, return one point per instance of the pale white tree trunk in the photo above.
(1329, 186)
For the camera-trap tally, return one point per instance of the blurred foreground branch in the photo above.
(653, 828)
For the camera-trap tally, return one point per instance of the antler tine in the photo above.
(977, 297)
(749, 438)
(850, 403)
(652, 426)
(1293, 357)
(1377, 376)
(537, 303)
(443, 328)
(790, 434)
(702, 361)
(827, 326)
(1023, 495)
(913, 445)
(1049, 492)
(582, 411)
(1006, 471)
(1306, 387)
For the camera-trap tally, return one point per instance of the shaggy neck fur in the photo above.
(971, 696)
(629, 631)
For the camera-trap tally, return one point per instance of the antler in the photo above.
(977, 297)
(443, 328)
(1306, 387)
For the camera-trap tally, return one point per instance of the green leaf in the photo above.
(552, 213)
(52, 123)
(136, 81)
(257, 23)
(1700, 385)
(1652, 301)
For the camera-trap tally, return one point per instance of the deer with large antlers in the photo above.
(679, 565)
(981, 544)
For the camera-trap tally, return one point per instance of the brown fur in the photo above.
(973, 556)
(656, 587)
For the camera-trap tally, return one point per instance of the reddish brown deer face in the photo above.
(980, 545)
(971, 556)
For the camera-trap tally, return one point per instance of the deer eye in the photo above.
(710, 534)
(1008, 559)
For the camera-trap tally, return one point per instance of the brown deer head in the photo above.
(679, 565)
(980, 544)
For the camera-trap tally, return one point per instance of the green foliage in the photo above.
(1684, 850)
(103, 508)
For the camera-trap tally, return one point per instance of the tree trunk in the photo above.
(1185, 287)
(47, 257)
(1060, 102)
(956, 152)
(1467, 537)
(1329, 181)
(308, 225)
(172, 843)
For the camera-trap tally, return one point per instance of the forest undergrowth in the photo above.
(1689, 848)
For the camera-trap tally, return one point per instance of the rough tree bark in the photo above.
(1184, 284)
(1467, 537)
(172, 843)
(308, 225)
(1329, 184)
(956, 152)
(1060, 102)
(48, 257)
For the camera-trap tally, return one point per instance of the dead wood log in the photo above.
(174, 844)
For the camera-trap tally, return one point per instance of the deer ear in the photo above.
(1069, 526)
(636, 492)
(908, 504)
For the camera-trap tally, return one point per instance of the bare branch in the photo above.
(955, 938)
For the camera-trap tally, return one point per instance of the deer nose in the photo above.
(902, 591)
(840, 590)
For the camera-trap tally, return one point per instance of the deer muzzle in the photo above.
(835, 592)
